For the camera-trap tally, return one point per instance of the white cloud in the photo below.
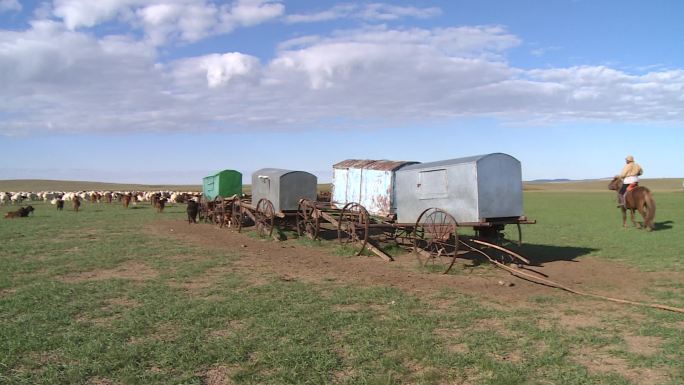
(57, 79)
(217, 70)
(384, 52)
(368, 12)
(336, 12)
(185, 20)
(386, 12)
(88, 13)
(251, 12)
(9, 5)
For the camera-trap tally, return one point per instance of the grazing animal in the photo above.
(60, 204)
(76, 203)
(192, 210)
(160, 203)
(16, 198)
(22, 212)
(638, 198)
(95, 197)
(126, 199)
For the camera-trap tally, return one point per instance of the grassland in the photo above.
(96, 298)
(66, 185)
(661, 185)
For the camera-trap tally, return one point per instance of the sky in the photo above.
(169, 91)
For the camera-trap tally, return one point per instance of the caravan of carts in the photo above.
(421, 206)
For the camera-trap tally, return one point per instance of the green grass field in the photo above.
(94, 298)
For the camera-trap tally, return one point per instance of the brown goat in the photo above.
(76, 202)
(126, 199)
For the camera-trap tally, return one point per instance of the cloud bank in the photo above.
(60, 76)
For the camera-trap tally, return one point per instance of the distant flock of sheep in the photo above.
(158, 199)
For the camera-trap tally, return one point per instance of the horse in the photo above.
(638, 198)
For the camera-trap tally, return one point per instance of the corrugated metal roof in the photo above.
(369, 164)
(449, 162)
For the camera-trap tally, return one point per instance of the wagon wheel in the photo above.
(353, 225)
(237, 216)
(308, 220)
(265, 217)
(435, 238)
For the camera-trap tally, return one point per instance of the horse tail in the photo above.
(650, 209)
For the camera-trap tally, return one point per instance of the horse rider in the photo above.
(630, 175)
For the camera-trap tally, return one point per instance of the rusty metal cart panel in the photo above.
(370, 183)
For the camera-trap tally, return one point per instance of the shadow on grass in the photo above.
(667, 225)
(540, 254)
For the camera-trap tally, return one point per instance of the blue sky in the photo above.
(167, 91)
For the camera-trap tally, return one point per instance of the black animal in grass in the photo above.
(192, 210)
(60, 204)
(22, 212)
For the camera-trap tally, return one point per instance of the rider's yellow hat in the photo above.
(629, 158)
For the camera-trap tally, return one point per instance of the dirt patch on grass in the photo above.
(135, 271)
(100, 381)
(218, 375)
(599, 361)
(644, 345)
(121, 302)
(164, 332)
(263, 259)
(232, 328)
(7, 292)
(577, 321)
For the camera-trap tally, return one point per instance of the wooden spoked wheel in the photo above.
(352, 227)
(237, 216)
(265, 218)
(308, 220)
(435, 238)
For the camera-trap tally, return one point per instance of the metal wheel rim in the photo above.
(436, 238)
(307, 222)
(353, 222)
(265, 217)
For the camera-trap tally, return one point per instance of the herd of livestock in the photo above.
(58, 198)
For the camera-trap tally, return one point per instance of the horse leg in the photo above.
(644, 214)
(624, 218)
(634, 222)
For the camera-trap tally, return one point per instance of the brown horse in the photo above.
(639, 198)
